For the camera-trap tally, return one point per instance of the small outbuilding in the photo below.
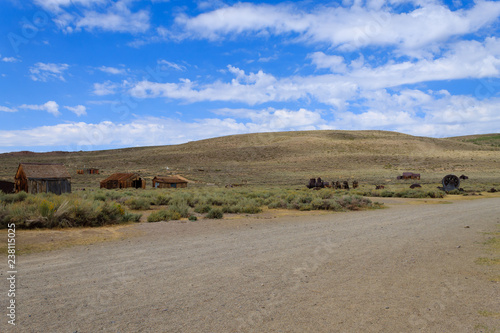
(123, 180)
(90, 171)
(169, 182)
(409, 175)
(42, 178)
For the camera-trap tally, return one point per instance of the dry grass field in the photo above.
(289, 158)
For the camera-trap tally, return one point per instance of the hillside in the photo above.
(283, 158)
(481, 139)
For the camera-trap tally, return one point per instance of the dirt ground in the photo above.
(413, 267)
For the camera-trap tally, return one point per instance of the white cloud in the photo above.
(79, 110)
(10, 59)
(169, 64)
(43, 72)
(436, 114)
(114, 16)
(51, 107)
(445, 115)
(112, 70)
(335, 63)
(343, 27)
(7, 109)
(271, 119)
(118, 18)
(145, 132)
(105, 88)
(463, 60)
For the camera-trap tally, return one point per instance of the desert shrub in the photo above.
(138, 203)
(163, 215)
(202, 209)
(131, 217)
(181, 208)
(100, 196)
(11, 198)
(161, 200)
(454, 192)
(277, 203)
(193, 218)
(215, 213)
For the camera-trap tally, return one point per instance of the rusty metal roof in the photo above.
(44, 170)
(121, 177)
(170, 179)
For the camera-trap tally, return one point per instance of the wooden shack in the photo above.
(7, 187)
(123, 180)
(169, 182)
(409, 175)
(42, 178)
(90, 171)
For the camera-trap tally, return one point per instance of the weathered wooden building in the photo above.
(42, 178)
(169, 182)
(7, 187)
(409, 175)
(123, 180)
(89, 171)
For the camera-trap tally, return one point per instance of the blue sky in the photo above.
(99, 74)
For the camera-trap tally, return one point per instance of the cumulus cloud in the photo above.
(112, 70)
(141, 132)
(436, 114)
(75, 15)
(9, 59)
(348, 28)
(44, 72)
(7, 109)
(463, 60)
(105, 88)
(51, 107)
(79, 110)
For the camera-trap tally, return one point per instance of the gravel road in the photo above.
(409, 268)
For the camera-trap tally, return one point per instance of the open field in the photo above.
(289, 158)
(411, 268)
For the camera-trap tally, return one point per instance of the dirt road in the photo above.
(410, 268)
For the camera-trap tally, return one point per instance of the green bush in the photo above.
(138, 203)
(163, 215)
(193, 218)
(161, 200)
(131, 217)
(11, 198)
(215, 213)
(100, 196)
(181, 208)
(202, 209)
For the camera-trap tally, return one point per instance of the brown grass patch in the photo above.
(34, 241)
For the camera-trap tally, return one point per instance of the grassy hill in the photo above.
(287, 158)
(482, 139)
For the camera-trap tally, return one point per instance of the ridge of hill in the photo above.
(284, 158)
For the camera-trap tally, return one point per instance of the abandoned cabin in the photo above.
(42, 178)
(169, 182)
(123, 180)
(7, 187)
(90, 171)
(409, 175)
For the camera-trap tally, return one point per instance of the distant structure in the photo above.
(89, 171)
(7, 187)
(169, 182)
(409, 175)
(42, 178)
(123, 180)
